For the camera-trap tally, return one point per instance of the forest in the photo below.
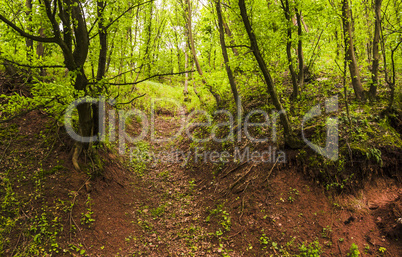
(200, 128)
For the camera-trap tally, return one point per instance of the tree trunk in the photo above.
(186, 75)
(40, 51)
(286, 9)
(230, 35)
(376, 53)
(226, 60)
(300, 48)
(290, 140)
(101, 61)
(193, 52)
(350, 52)
(29, 42)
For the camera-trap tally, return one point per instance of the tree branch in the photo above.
(27, 35)
(31, 66)
(237, 46)
(153, 76)
(129, 102)
(28, 111)
(121, 15)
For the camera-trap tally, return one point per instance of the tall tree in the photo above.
(226, 59)
(286, 9)
(300, 46)
(376, 53)
(188, 10)
(290, 139)
(350, 50)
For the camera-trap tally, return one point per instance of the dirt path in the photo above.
(165, 209)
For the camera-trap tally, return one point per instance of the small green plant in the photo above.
(87, 218)
(192, 185)
(326, 232)
(354, 250)
(312, 250)
(79, 249)
(293, 193)
(264, 240)
(382, 250)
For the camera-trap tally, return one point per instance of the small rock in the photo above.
(379, 219)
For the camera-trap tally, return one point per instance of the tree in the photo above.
(290, 139)
(350, 51)
(376, 54)
(188, 11)
(300, 47)
(226, 59)
(286, 9)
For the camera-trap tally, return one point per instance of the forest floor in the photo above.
(171, 210)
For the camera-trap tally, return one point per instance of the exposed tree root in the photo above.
(76, 154)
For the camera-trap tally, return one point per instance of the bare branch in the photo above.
(27, 35)
(121, 15)
(153, 76)
(129, 102)
(238, 46)
(32, 66)
(29, 110)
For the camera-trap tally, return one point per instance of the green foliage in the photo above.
(87, 217)
(354, 250)
(312, 250)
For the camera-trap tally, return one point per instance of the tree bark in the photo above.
(185, 92)
(376, 53)
(193, 52)
(29, 42)
(350, 52)
(226, 59)
(300, 48)
(290, 139)
(102, 33)
(286, 10)
(230, 35)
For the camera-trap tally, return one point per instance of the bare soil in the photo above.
(195, 210)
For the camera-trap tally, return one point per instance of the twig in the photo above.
(339, 247)
(230, 171)
(269, 174)
(236, 234)
(5, 150)
(71, 215)
(242, 202)
(131, 100)
(242, 177)
(150, 77)
(15, 247)
(32, 66)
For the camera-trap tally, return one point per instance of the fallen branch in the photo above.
(241, 178)
(269, 173)
(234, 169)
(242, 203)
(71, 215)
